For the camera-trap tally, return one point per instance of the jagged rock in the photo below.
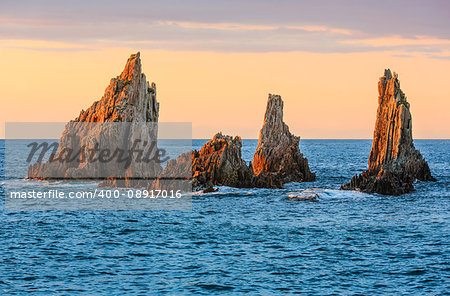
(219, 162)
(277, 160)
(394, 163)
(177, 174)
(128, 98)
(278, 156)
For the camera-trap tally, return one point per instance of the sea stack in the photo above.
(217, 163)
(394, 163)
(278, 153)
(128, 98)
(128, 111)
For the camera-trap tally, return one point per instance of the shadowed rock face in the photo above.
(278, 154)
(128, 98)
(394, 163)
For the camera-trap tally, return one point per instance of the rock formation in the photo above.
(130, 109)
(176, 175)
(394, 163)
(124, 117)
(218, 162)
(128, 98)
(278, 154)
(210, 189)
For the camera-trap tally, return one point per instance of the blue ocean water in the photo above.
(245, 241)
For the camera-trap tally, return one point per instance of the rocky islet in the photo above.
(394, 163)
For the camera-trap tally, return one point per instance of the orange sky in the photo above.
(326, 95)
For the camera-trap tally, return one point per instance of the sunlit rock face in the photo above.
(218, 162)
(278, 154)
(129, 97)
(394, 163)
(127, 112)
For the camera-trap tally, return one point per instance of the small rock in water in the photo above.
(210, 189)
(305, 197)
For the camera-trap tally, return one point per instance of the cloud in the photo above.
(249, 27)
(42, 45)
(320, 29)
(218, 26)
(401, 17)
(400, 41)
(402, 55)
(439, 56)
(235, 26)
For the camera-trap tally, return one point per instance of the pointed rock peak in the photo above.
(274, 97)
(387, 73)
(389, 88)
(132, 68)
(274, 109)
(227, 138)
(135, 56)
(128, 97)
(278, 153)
(219, 136)
(394, 163)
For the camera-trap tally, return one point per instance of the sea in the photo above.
(242, 241)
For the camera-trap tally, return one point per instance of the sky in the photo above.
(214, 62)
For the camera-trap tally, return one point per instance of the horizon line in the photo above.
(241, 138)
